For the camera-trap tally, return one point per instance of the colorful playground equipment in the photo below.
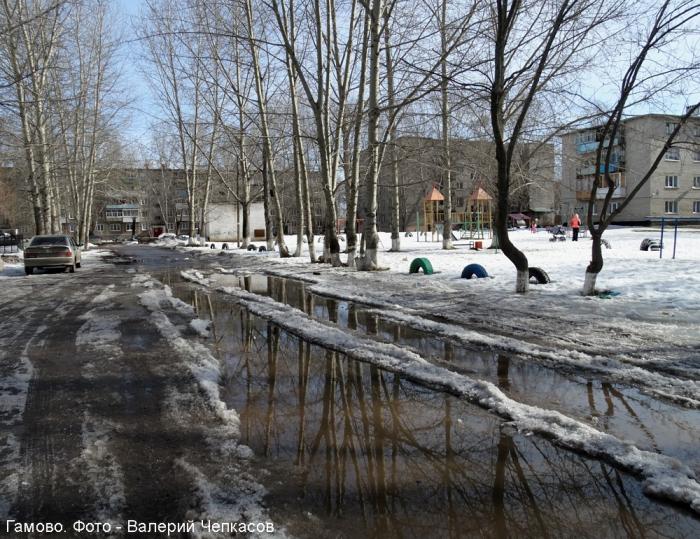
(474, 270)
(538, 274)
(474, 223)
(421, 264)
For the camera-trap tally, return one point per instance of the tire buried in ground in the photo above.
(474, 270)
(538, 274)
(421, 264)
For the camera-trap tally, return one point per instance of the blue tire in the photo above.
(474, 270)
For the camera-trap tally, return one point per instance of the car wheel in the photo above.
(77, 264)
(71, 268)
(28, 271)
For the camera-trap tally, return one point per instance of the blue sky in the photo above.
(133, 80)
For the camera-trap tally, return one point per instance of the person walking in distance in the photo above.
(575, 224)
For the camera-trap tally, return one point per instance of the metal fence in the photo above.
(11, 243)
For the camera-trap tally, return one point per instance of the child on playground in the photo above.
(533, 226)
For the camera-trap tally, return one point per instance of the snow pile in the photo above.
(106, 294)
(663, 476)
(228, 493)
(217, 504)
(102, 468)
(100, 332)
(685, 392)
(202, 364)
(201, 327)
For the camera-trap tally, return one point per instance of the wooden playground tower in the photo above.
(475, 223)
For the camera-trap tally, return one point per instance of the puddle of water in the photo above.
(355, 451)
(623, 411)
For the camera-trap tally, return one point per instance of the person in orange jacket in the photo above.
(575, 224)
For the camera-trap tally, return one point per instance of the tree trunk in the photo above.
(370, 235)
(447, 186)
(395, 198)
(594, 266)
(268, 161)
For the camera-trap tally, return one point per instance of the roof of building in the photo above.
(480, 194)
(630, 119)
(434, 195)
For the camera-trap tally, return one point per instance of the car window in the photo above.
(48, 240)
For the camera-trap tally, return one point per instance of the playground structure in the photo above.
(475, 223)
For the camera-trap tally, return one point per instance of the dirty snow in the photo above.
(201, 327)
(100, 332)
(102, 469)
(233, 495)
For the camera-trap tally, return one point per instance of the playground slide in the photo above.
(454, 236)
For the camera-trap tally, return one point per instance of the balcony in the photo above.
(590, 170)
(586, 147)
(122, 213)
(602, 192)
(591, 146)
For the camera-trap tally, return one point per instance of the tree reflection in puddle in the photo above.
(358, 452)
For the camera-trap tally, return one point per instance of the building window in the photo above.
(696, 206)
(115, 227)
(614, 206)
(671, 182)
(670, 126)
(586, 136)
(673, 154)
(71, 227)
(696, 182)
(671, 206)
(696, 155)
(99, 227)
(144, 227)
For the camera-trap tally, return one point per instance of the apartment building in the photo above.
(673, 190)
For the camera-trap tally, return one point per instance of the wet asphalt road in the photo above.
(94, 440)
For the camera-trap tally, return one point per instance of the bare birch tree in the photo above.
(671, 21)
(269, 170)
(30, 46)
(331, 73)
(534, 46)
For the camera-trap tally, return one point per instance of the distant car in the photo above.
(167, 236)
(51, 252)
(183, 237)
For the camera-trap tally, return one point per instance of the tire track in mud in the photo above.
(50, 489)
(23, 327)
